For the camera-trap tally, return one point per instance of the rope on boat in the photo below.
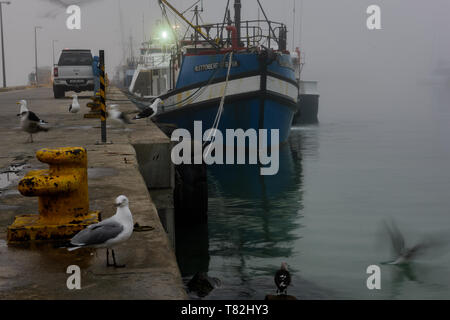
(212, 133)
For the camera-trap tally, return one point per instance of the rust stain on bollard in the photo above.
(63, 197)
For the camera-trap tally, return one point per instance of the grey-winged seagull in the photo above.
(107, 233)
(29, 121)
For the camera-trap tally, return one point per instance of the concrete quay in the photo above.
(137, 159)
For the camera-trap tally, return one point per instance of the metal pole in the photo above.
(237, 19)
(53, 50)
(35, 55)
(3, 48)
(103, 94)
(293, 29)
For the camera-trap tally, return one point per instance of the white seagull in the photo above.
(29, 121)
(150, 111)
(107, 233)
(118, 116)
(74, 106)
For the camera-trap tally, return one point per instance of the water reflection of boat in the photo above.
(254, 222)
(249, 214)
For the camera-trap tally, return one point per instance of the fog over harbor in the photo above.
(380, 151)
(341, 53)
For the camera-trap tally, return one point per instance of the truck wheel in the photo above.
(58, 92)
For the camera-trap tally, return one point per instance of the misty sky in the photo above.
(341, 53)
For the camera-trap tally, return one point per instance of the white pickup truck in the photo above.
(73, 72)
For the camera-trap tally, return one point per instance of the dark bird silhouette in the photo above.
(282, 279)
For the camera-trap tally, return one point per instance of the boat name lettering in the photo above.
(214, 66)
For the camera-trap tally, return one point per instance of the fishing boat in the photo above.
(308, 100)
(245, 62)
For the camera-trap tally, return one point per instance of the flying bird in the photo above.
(118, 116)
(282, 279)
(404, 254)
(74, 106)
(29, 121)
(63, 4)
(150, 111)
(107, 233)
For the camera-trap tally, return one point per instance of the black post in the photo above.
(103, 94)
(237, 18)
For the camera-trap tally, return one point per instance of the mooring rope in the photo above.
(212, 133)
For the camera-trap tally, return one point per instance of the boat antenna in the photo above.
(293, 28)
(301, 22)
(268, 22)
(197, 29)
(224, 18)
(237, 18)
(194, 6)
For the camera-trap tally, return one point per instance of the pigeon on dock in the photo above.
(107, 233)
(282, 279)
(29, 121)
(150, 111)
(74, 106)
(117, 115)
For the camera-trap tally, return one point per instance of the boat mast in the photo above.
(293, 29)
(237, 18)
(197, 29)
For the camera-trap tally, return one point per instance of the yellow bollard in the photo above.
(95, 106)
(63, 197)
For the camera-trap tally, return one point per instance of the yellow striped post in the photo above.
(103, 95)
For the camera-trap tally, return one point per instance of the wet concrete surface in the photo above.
(38, 270)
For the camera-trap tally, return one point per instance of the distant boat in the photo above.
(308, 100)
(262, 90)
(152, 75)
(308, 103)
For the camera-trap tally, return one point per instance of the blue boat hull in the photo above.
(262, 94)
(242, 114)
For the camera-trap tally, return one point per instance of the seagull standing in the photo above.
(282, 279)
(150, 111)
(107, 233)
(74, 106)
(117, 115)
(29, 121)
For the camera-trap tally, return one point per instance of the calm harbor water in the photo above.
(323, 212)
